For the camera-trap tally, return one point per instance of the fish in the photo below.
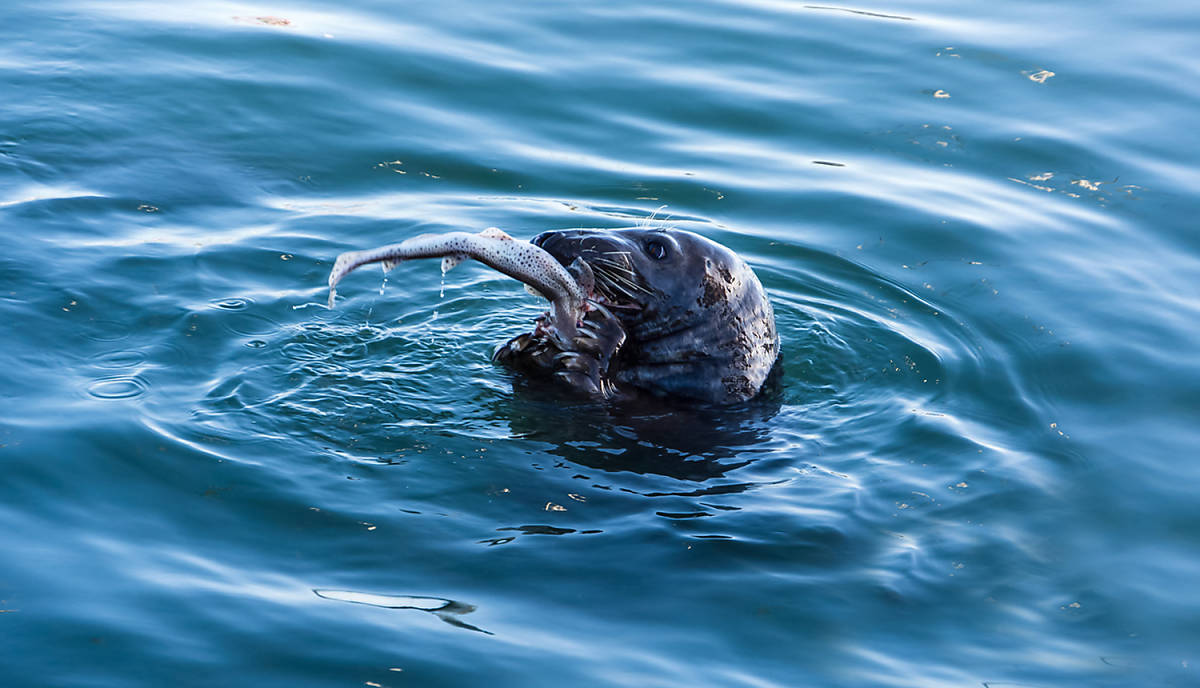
(521, 260)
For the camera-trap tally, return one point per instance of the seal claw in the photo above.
(580, 381)
(596, 305)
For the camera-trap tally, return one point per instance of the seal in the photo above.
(671, 313)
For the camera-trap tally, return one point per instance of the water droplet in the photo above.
(119, 387)
(256, 343)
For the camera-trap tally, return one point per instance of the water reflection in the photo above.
(446, 610)
(677, 440)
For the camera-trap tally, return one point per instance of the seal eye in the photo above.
(656, 250)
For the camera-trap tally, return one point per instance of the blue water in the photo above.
(976, 221)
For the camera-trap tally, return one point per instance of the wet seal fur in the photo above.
(672, 314)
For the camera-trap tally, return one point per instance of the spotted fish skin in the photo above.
(520, 260)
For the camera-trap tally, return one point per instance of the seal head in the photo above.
(676, 315)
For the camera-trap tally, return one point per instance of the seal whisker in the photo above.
(612, 286)
(618, 270)
(618, 282)
(612, 264)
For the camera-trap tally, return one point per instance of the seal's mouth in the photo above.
(607, 285)
(608, 276)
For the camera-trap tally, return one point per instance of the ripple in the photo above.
(108, 331)
(231, 304)
(119, 359)
(687, 515)
(118, 387)
(305, 351)
(252, 325)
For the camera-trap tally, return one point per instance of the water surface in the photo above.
(976, 224)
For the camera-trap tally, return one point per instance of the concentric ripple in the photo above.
(234, 303)
(119, 359)
(118, 387)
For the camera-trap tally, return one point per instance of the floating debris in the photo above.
(266, 20)
(446, 610)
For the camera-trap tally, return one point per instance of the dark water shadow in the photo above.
(670, 438)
